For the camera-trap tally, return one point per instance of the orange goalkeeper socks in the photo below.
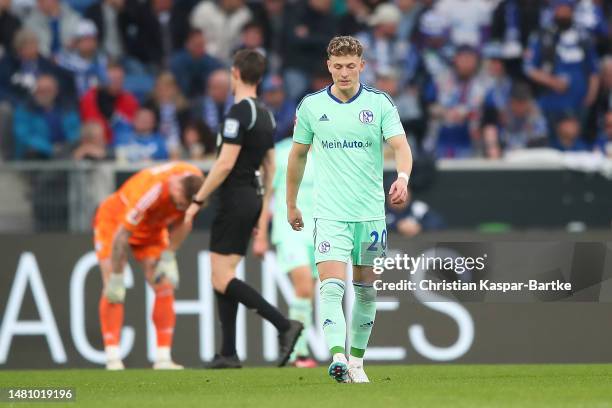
(164, 316)
(111, 321)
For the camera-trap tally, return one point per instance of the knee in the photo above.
(304, 291)
(332, 289)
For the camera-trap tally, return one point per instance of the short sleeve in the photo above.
(391, 124)
(302, 131)
(236, 123)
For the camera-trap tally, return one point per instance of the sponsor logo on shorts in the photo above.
(328, 322)
(324, 247)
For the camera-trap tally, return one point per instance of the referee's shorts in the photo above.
(237, 215)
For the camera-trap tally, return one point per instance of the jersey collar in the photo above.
(331, 95)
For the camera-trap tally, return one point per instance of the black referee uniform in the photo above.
(250, 125)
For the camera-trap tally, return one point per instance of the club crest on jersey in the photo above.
(366, 116)
(324, 247)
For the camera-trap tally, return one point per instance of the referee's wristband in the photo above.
(198, 202)
(402, 175)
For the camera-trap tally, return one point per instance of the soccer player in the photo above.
(294, 250)
(247, 145)
(146, 216)
(346, 124)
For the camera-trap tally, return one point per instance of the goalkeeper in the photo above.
(146, 216)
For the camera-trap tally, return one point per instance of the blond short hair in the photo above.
(343, 46)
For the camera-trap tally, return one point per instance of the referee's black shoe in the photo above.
(287, 340)
(220, 361)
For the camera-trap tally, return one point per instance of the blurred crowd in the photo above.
(135, 81)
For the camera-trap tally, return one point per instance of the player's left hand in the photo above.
(167, 268)
(260, 244)
(398, 193)
(192, 210)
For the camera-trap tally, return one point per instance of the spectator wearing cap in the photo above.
(54, 23)
(84, 60)
(567, 138)
(193, 65)
(382, 50)
(468, 20)
(308, 31)
(109, 103)
(456, 113)
(19, 71)
(273, 95)
(221, 22)
(513, 22)
(9, 25)
(519, 124)
(215, 102)
(139, 142)
(562, 61)
(110, 19)
(42, 127)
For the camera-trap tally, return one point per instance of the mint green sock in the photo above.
(332, 314)
(364, 314)
(301, 310)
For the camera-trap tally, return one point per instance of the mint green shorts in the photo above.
(361, 242)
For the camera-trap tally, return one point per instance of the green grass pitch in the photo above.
(456, 386)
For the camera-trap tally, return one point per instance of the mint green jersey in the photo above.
(347, 150)
(281, 230)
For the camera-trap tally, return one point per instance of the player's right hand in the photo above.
(294, 216)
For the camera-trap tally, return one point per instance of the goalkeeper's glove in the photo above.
(115, 288)
(168, 268)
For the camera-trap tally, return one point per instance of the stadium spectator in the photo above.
(382, 50)
(562, 61)
(603, 102)
(410, 9)
(92, 145)
(252, 37)
(42, 128)
(513, 22)
(111, 20)
(84, 60)
(309, 29)
(18, 73)
(54, 23)
(273, 95)
(221, 23)
(356, 18)
(468, 20)
(193, 65)
(199, 141)
(456, 113)
(568, 138)
(155, 29)
(171, 111)
(109, 103)
(413, 217)
(139, 142)
(9, 25)
(604, 141)
(214, 104)
(517, 124)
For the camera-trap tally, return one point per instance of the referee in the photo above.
(246, 145)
